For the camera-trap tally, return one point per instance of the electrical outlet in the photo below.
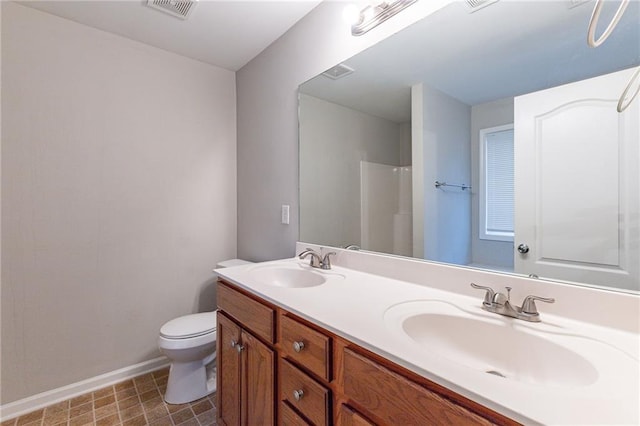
(285, 214)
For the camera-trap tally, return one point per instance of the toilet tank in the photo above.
(232, 262)
(207, 299)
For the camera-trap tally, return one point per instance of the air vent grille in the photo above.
(574, 3)
(339, 71)
(178, 8)
(475, 5)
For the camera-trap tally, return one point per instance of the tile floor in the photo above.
(131, 403)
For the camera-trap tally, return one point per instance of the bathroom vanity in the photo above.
(298, 345)
(321, 378)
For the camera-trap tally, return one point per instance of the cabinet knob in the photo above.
(298, 394)
(239, 348)
(298, 346)
(233, 343)
(523, 248)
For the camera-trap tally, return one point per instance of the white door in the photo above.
(577, 183)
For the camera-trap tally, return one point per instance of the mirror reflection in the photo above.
(486, 138)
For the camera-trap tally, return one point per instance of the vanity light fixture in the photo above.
(629, 94)
(592, 41)
(376, 13)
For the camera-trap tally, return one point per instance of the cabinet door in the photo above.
(229, 372)
(258, 399)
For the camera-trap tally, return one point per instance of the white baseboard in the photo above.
(44, 399)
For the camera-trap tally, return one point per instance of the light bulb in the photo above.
(351, 14)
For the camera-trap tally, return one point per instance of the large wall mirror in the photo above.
(483, 138)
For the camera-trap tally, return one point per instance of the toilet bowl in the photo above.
(190, 344)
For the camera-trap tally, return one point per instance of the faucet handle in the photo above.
(529, 304)
(316, 262)
(326, 261)
(488, 297)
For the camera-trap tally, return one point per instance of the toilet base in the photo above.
(189, 381)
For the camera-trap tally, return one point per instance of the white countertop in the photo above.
(353, 304)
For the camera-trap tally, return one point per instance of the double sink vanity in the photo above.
(379, 339)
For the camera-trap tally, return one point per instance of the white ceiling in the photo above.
(507, 49)
(225, 33)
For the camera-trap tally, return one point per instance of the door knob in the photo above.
(523, 248)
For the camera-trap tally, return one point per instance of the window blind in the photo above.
(499, 182)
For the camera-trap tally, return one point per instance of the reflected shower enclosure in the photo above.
(385, 203)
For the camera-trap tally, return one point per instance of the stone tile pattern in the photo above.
(134, 402)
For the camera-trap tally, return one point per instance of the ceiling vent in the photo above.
(574, 3)
(339, 71)
(475, 5)
(178, 8)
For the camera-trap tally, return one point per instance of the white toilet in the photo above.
(190, 343)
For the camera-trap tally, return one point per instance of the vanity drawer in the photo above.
(288, 417)
(253, 315)
(306, 346)
(349, 417)
(305, 394)
(394, 399)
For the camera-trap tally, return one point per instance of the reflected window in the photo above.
(496, 183)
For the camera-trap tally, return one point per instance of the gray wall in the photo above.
(447, 157)
(494, 254)
(268, 126)
(118, 197)
(334, 139)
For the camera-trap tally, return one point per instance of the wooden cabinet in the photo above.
(276, 367)
(246, 365)
(306, 346)
(304, 370)
(307, 396)
(228, 371)
(395, 399)
(288, 417)
(350, 417)
(251, 313)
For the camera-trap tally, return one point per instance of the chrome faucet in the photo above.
(317, 261)
(499, 303)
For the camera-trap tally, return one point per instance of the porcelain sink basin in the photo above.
(498, 346)
(290, 276)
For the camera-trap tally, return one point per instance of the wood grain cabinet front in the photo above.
(288, 416)
(396, 400)
(305, 346)
(322, 378)
(251, 313)
(304, 394)
(228, 371)
(245, 364)
(350, 417)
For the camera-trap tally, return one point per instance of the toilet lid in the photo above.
(189, 326)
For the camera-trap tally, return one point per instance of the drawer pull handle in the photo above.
(298, 346)
(298, 394)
